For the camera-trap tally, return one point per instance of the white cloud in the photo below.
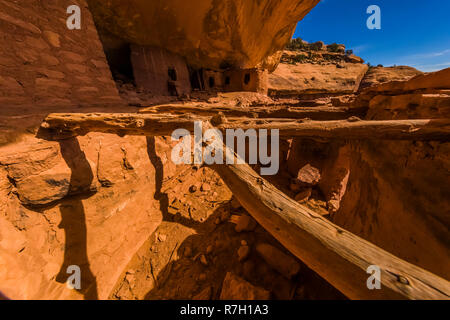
(360, 48)
(432, 67)
(430, 54)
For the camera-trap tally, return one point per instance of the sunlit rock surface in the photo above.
(209, 33)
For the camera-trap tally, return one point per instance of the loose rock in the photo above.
(236, 288)
(203, 260)
(187, 252)
(243, 253)
(303, 195)
(235, 204)
(284, 264)
(308, 175)
(245, 223)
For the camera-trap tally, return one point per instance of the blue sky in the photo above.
(413, 32)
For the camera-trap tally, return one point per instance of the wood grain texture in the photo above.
(70, 124)
(337, 255)
(314, 113)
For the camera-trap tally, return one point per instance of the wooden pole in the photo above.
(61, 126)
(337, 255)
(315, 113)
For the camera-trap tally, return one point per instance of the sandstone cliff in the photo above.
(378, 75)
(392, 193)
(312, 70)
(93, 201)
(98, 201)
(316, 68)
(58, 201)
(86, 202)
(209, 33)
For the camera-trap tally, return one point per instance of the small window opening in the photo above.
(227, 81)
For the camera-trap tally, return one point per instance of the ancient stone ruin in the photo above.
(88, 182)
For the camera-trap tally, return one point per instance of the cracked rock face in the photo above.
(86, 201)
(209, 33)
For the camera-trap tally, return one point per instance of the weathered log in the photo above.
(340, 257)
(337, 255)
(314, 113)
(62, 125)
(414, 129)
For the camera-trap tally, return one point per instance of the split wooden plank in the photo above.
(61, 126)
(314, 113)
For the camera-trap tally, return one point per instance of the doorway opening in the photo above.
(247, 78)
(211, 82)
(172, 73)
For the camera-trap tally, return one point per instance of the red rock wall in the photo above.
(90, 201)
(393, 193)
(151, 70)
(255, 80)
(43, 62)
(239, 33)
(397, 197)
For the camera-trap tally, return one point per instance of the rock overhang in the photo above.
(210, 34)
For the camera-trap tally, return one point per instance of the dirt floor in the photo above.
(198, 243)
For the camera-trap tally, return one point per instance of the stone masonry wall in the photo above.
(151, 66)
(87, 201)
(42, 62)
